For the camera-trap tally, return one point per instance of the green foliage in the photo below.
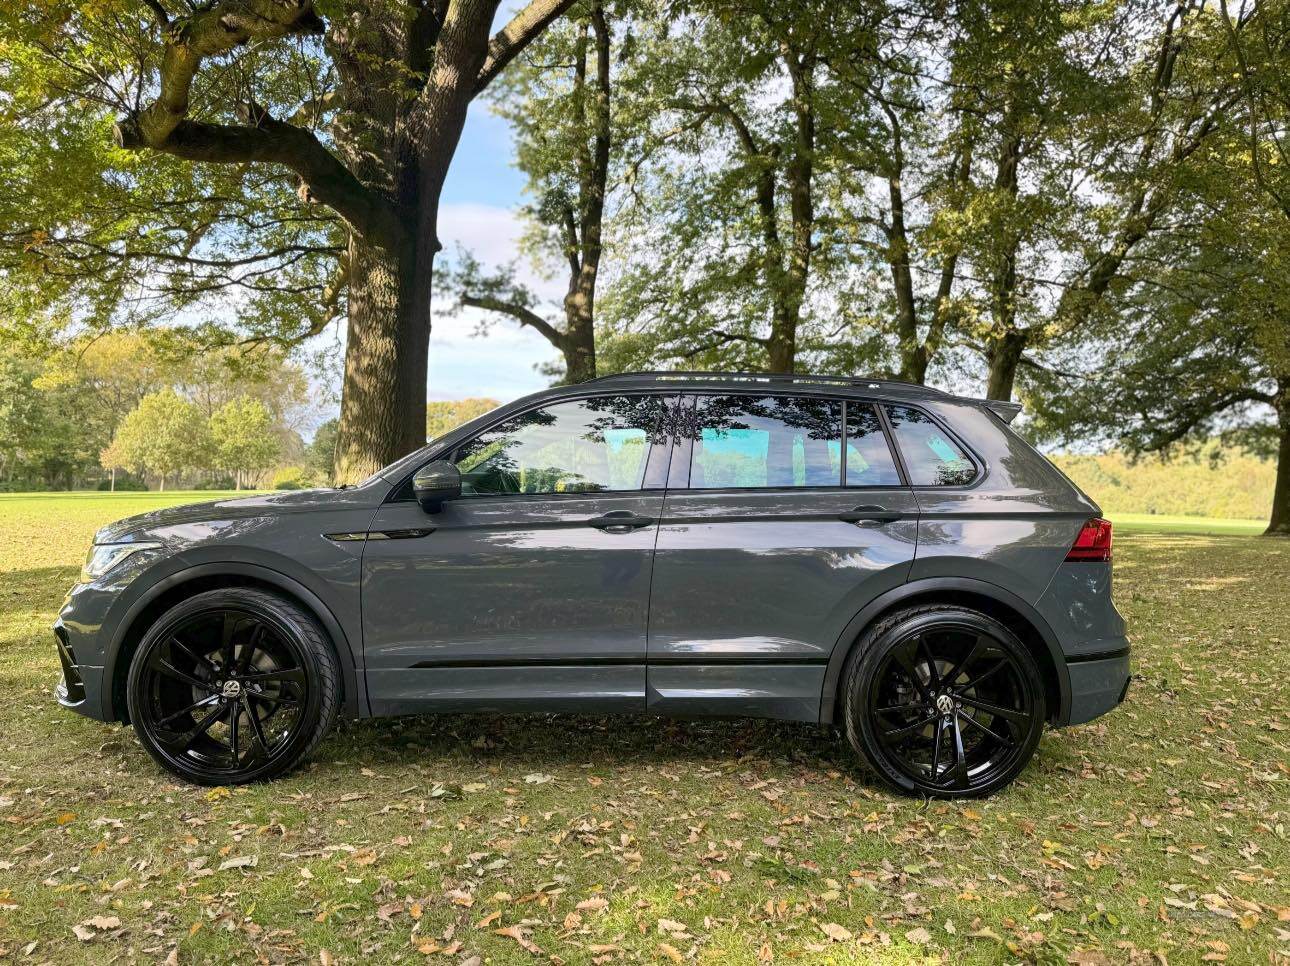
(442, 416)
(91, 231)
(320, 455)
(1212, 481)
(164, 435)
(290, 478)
(242, 433)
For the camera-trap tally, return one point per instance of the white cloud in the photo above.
(501, 364)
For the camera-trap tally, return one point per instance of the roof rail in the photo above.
(791, 378)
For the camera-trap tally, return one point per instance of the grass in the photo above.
(1155, 523)
(1158, 830)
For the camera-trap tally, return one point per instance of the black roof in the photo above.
(756, 379)
(890, 388)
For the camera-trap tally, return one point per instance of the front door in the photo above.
(531, 591)
(770, 544)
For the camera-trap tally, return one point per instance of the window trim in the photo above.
(683, 446)
(402, 492)
(888, 435)
(978, 465)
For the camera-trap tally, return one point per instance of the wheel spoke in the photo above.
(907, 665)
(898, 708)
(995, 669)
(997, 737)
(936, 747)
(164, 667)
(998, 710)
(231, 620)
(183, 741)
(248, 650)
(198, 659)
(235, 712)
(291, 675)
(259, 744)
(933, 676)
(958, 771)
(273, 699)
(963, 664)
(895, 734)
(188, 710)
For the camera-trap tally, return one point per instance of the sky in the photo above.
(478, 211)
(480, 200)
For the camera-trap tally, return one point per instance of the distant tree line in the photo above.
(130, 409)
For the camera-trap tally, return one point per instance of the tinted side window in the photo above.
(931, 457)
(765, 441)
(582, 446)
(869, 459)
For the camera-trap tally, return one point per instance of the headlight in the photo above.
(104, 556)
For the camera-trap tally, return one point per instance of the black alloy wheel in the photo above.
(944, 701)
(232, 686)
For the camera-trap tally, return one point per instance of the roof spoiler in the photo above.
(1007, 411)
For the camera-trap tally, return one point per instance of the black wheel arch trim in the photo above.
(920, 588)
(355, 703)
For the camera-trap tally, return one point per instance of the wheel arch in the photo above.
(215, 576)
(1004, 606)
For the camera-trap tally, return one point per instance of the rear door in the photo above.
(770, 543)
(531, 592)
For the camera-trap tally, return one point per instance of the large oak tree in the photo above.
(362, 104)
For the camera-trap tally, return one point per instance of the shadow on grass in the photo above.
(615, 741)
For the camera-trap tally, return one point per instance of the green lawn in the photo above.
(1153, 523)
(1161, 829)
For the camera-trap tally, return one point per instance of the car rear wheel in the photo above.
(232, 686)
(943, 701)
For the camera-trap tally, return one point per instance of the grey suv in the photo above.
(879, 556)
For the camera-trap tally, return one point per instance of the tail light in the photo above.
(1093, 542)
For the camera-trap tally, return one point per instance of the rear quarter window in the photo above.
(931, 457)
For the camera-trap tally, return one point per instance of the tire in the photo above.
(943, 701)
(233, 686)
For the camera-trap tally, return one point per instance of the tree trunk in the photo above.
(163, 484)
(382, 408)
(1003, 352)
(1279, 523)
(579, 345)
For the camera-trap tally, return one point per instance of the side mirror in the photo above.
(436, 482)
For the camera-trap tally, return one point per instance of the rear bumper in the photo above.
(1098, 683)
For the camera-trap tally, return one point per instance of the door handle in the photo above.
(869, 512)
(620, 521)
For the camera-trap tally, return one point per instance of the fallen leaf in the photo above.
(240, 862)
(839, 934)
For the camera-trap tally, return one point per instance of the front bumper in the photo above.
(1098, 683)
(80, 687)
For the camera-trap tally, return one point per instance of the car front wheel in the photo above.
(943, 701)
(232, 686)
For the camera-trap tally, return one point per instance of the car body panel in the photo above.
(740, 602)
(506, 582)
(744, 578)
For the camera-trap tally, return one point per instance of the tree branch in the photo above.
(270, 140)
(523, 28)
(520, 313)
(209, 32)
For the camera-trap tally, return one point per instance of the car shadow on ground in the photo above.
(566, 739)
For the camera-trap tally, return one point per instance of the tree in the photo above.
(164, 435)
(442, 417)
(320, 454)
(1201, 346)
(365, 111)
(242, 432)
(560, 104)
(730, 231)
